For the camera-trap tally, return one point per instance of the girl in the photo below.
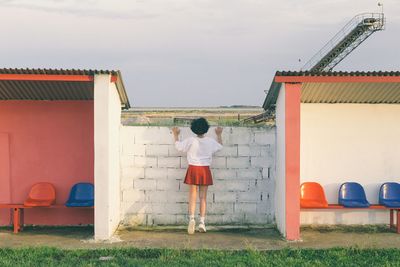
(199, 151)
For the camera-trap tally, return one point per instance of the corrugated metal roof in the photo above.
(55, 90)
(46, 90)
(368, 93)
(56, 71)
(340, 92)
(338, 73)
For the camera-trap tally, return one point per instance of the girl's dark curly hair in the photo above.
(199, 126)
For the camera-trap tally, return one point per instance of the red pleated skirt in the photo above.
(198, 175)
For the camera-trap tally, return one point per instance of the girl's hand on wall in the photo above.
(219, 130)
(176, 131)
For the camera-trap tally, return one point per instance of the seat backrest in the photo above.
(312, 191)
(42, 191)
(351, 191)
(389, 191)
(82, 191)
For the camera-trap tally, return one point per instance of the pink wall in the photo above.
(49, 141)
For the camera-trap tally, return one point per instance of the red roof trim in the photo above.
(337, 79)
(46, 77)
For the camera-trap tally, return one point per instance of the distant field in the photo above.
(182, 116)
(169, 257)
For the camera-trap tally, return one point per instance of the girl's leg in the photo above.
(203, 200)
(192, 200)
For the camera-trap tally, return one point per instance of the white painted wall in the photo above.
(349, 142)
(107, 114)
(280, 188)
(153, 192)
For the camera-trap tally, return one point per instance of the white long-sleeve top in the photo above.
(199, 150)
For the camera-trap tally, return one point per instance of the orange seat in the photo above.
(312, 196)
(41, 195)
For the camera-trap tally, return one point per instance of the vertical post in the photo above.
(107, 119)
(292, 158)
(391, 218)
(16, 220)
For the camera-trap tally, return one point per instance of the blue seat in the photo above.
(81, 195)
(352, 195)
(389, 195)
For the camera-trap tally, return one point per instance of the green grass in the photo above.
(171, 257)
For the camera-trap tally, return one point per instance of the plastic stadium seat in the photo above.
(41, 195)
(81, 195)
(389, 195)
(312, 196)
(352, 195)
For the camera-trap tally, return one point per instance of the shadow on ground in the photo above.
(216, 238)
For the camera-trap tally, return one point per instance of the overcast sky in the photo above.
(189, 52)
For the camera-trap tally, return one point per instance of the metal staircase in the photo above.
(345, 41)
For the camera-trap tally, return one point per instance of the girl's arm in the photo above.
(218, 131)
(175, 132)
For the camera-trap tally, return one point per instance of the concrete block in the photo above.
(224, 174)
(176, 173)
(144, 184)
(135, 208)
(263, 208)
(238, 162)
(134, 219)
(267, 151)
(156, 150)
(231, 185)
(153, 135)
(259, 162)
(155, 173)
(133, 195)
(264, 137)
(220, 208)
(183, 187)
(237, 136)
(133, 149)
(267, 172)
(133, 172)
(167, 185)
(178, 197)
(163, 219)
(252, 150)
(224, 197)
(218, 162)
(228, 151)
(153, 196)
(245, 207)
(249, 197)
(145, 161)
(169, 162)
(175, 208)
(251, 173)
(126, 183)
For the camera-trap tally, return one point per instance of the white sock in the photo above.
(202, 219)
(191, 217)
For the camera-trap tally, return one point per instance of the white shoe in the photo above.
(202, 228)
(191, 227)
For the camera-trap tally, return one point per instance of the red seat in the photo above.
(312, 196)
(41, 195)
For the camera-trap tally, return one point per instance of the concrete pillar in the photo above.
(107, 117)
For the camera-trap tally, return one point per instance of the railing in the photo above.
(345, 41)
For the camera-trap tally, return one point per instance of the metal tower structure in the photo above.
(345, 41)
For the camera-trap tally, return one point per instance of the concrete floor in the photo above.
(215, 238)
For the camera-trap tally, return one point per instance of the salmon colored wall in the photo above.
(49, 141)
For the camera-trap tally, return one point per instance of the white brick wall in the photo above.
(152, 171)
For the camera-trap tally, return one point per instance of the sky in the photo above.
(189, 53)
